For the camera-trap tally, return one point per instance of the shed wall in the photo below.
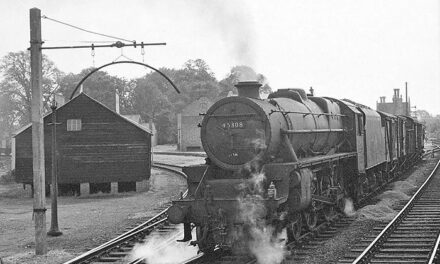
(107, 149)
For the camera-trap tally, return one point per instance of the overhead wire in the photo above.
(78, 41)
(85, 30)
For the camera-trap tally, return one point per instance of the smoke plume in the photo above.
(232, 20)
(246, 73)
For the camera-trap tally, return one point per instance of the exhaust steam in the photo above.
(162, 250)
(260, 238)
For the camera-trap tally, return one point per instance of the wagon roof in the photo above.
(387, 114)
(351, 106)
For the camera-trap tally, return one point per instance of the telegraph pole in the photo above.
(37, 133)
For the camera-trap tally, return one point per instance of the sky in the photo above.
(359, 50)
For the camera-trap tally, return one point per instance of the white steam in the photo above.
(262, 242)
(267, 248)
(163, 250)
(349, 207)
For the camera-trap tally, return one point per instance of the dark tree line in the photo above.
(150, 96)
(432, 123)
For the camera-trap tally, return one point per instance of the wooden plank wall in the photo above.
(107, 149)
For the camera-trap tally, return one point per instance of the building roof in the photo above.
(128, 120)
(135, 118)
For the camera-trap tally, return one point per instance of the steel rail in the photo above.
(375, 244)
(118, 240)
(194, 259)
(431, 151)
(166, 166)
(160, 218)
(434, 251)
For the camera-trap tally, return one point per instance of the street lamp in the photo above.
(54, 230)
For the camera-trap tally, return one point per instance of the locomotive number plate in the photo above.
(234, 124)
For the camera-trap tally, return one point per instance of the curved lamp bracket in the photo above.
(121, 62)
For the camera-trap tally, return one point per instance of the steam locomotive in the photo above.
(313, 153)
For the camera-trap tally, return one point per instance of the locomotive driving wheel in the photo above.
(310, 219)
(325, 186)
(294, 228)
(311, 216)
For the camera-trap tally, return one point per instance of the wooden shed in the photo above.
(98, 149)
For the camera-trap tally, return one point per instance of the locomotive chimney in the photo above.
(249, 89)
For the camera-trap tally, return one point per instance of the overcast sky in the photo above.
(356, 49)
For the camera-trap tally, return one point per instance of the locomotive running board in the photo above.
(307, 162)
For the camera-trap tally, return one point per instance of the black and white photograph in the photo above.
(219, 131)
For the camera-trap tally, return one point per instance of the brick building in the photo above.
(396, 107)
(188, 131)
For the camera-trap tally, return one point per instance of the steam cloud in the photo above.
(163, 250)
(260, 239)
(349, 208)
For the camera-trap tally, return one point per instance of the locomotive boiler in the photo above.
(295, 156)
(239, 129)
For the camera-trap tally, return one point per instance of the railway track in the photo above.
(117, 249)
(297, 251)
(412, 236)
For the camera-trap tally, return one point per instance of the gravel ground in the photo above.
(335, 248)
(180, 161)
(86, 222)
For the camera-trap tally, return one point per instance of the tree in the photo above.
(101, 86)
(16, 86)
(243, 73)
(155, 99)
(422, 114)
(8, 117)
(152, 104)
(198, 80)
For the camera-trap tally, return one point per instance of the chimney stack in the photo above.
(117, 101)
(59, 98)
(249, 89)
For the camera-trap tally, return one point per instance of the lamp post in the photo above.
(54, 230)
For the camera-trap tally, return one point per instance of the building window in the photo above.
(73, 124)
